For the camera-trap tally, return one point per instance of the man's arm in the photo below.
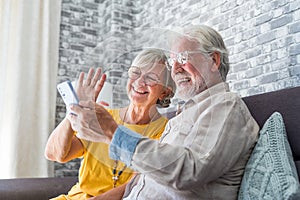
(219, 137)
(221, 133)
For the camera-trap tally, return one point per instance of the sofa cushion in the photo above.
(287, 103)
(270, 172)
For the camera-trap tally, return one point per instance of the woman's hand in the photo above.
(92, 122)
(90, 88)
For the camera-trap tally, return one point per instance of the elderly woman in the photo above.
(149, 83)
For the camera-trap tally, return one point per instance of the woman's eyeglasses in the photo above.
(150, 78)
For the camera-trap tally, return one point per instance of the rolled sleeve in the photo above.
(123, 144)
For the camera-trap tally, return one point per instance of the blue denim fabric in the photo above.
(123, 144)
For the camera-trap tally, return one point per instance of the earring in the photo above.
(165, 102)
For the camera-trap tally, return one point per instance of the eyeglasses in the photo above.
(150, 78)
(181, 58)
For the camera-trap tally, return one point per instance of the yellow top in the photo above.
(95, 173)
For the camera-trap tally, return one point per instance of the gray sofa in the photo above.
(286, 101)
(34, 188)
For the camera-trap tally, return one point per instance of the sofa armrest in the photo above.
(35, 188)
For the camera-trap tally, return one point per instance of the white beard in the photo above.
(187, 92)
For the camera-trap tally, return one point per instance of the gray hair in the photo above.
(149, 57)
(210, 41)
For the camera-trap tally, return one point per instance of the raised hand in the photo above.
(90, 88)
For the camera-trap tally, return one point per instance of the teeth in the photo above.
(183, 80)
(140, 91)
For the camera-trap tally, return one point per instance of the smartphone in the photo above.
(67, 93)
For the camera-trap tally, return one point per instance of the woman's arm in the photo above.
(63, 145)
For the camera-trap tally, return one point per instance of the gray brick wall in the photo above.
(92, 36)
(82, 22)
(263, 38)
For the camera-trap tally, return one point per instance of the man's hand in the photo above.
(92, 122)
(113, 194)
(90, 88)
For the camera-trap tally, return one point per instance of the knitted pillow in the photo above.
(270, 172)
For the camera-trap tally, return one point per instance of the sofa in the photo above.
(286, 102)
(34, 188)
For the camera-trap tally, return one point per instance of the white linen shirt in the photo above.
(201, 154)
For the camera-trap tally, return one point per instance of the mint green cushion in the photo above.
(270, 172)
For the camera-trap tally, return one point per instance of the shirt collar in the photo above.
(216, 89)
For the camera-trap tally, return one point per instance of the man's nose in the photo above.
(177, 67)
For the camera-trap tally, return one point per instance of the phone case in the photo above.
(67, 93)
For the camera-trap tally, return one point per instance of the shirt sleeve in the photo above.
(123, 144)
(216, 145)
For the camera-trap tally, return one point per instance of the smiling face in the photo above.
(143, 94)
(189, 77)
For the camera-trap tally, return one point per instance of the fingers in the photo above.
(96, 77)
(80, 79)
(86, 123)
(92, 77)
(99, 85)
(85, 115)
(103, 103)
(93, 121)
(72, 119)
(88, 105)
(87, 82)
(74, 110)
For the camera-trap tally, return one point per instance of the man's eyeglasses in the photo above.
(181, 58)
(150, 78)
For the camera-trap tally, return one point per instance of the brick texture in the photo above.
(263, 38)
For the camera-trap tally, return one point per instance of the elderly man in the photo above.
(204, 149)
